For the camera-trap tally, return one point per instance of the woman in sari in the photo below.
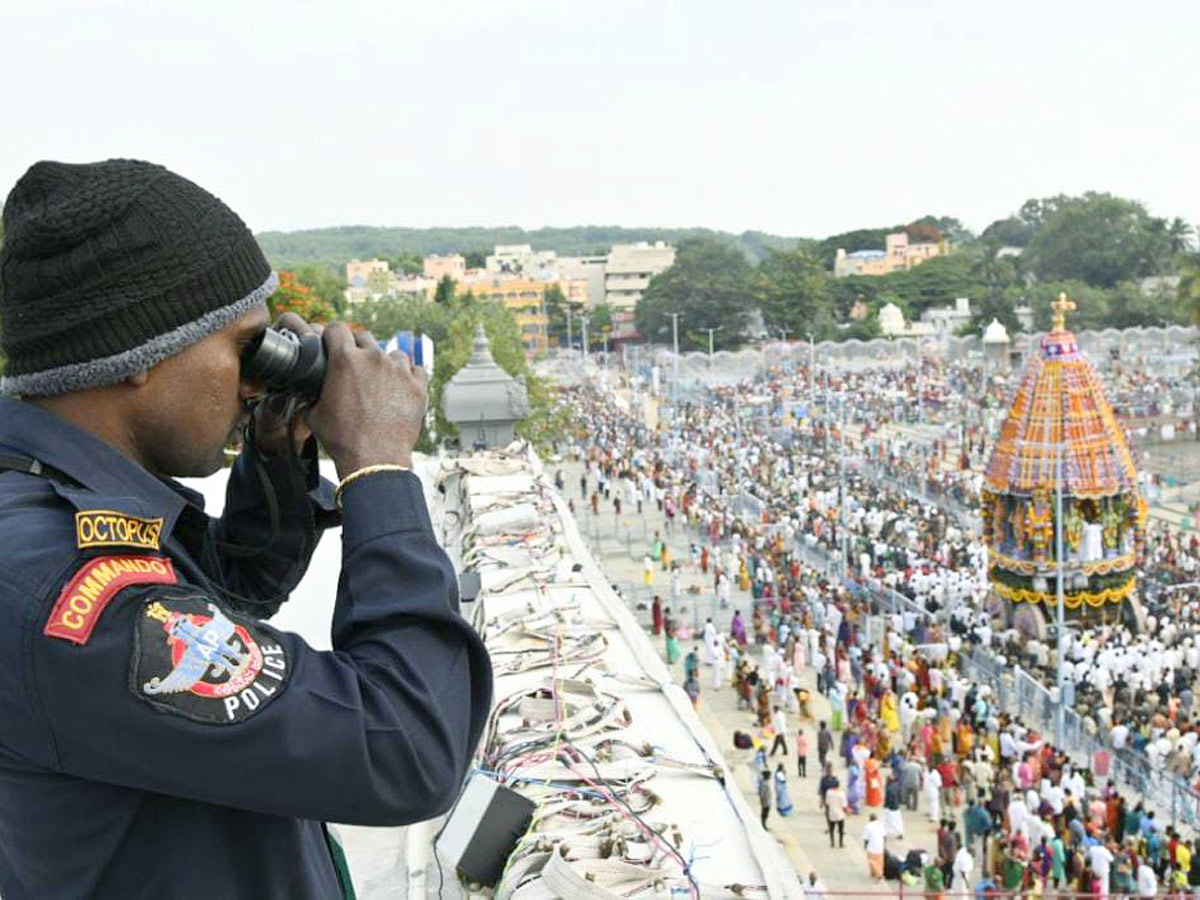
(843, 667)
(856, 788)
(783, 801)
(737, 629)
(849, 739)
(888, 712)
(860, 713)
(799, 658)
(682, 630)
(837, 707)
(763, 705)
(669, 630)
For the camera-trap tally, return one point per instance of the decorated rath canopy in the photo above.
(1060, 412)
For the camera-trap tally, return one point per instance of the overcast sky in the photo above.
(804, 117)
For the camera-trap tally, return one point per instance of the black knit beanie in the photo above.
(109, 268)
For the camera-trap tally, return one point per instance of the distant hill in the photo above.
(337, 246)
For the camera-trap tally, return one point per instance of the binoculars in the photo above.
(287, 363)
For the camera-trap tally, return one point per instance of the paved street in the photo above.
(619, 544)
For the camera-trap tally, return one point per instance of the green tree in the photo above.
(1128, 307)
(991, 268)
(599, 323)
(407, 262)
(935, 282)
(709, 284)
(1180, 234)
(444, 294)
(866, 330)
(1010, 232)
(558, 308)
(475, 259)
(555, 306)
(1099, 239)
(949, 227)
(845, 293)
(994, 303)
(386, 316)
(1092, 304)
(1034, 213)
(326, 283)
(791, 288)
(1188, 294)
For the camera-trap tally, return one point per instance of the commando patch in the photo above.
(192, 659)
(108, 528)
(78, 607)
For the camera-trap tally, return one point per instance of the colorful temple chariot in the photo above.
(1060, 425)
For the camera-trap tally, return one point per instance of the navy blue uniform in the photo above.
(157, 738)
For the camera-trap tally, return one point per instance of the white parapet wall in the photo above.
(586, 704)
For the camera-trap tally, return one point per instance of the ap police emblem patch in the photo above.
(192, 659)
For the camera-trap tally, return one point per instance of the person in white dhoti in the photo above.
(718, 669)
(710, 643)
(933, 795)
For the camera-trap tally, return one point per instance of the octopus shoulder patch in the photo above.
(193, 659)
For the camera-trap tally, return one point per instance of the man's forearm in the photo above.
(275, 511)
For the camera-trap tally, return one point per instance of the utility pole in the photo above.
(920, 385)
(568, 327)
(710, 348)
(812, 364)
(545, 322)
(585, 338)
(1059, 723)
(844, 519)
(675, 341)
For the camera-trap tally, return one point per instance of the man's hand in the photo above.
(271, 416)
(373, 403)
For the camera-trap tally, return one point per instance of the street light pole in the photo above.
(920, 385)
(812, 363)
(568, 327)
(545, 322)
(710, 348)
(675, 342)
(585, 339)
(1059, 715)
(845, 517)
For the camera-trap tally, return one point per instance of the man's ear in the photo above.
(139, 379)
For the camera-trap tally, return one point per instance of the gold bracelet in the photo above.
(363, 473)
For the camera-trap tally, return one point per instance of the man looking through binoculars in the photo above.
(160, 739)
